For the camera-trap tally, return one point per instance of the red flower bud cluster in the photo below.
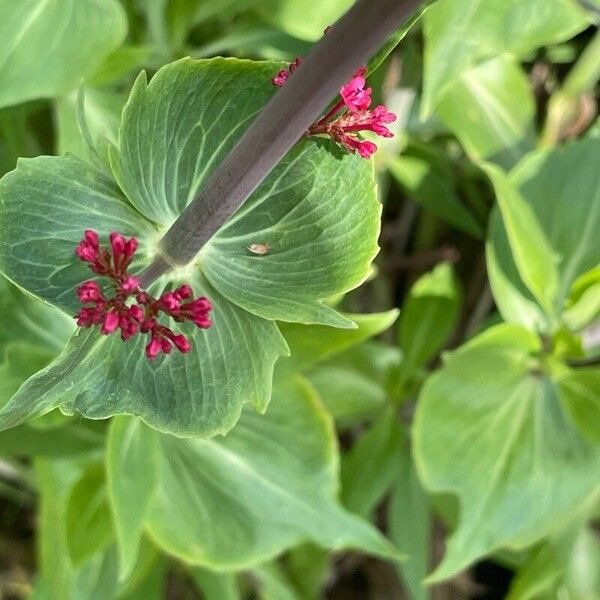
(350, 115)
(131, 309)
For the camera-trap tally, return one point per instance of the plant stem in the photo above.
(283, 121)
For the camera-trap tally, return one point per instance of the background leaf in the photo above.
(49, 45)
(490, 428)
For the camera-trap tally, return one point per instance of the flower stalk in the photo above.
(285, 119)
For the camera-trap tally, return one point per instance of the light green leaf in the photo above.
(132, 474)
(534, 257)
(428, 317)
(292, 16)
(490, 429)
(566, 566)
(88, 523)
(491, 110)
(273, 584)
(370, 467)
(271, 483)
(102, 112)
(65, 440)
(49, 45)
(459, 34)
(349, 396)
(410, 526)
(313, 344)
(562, 189)
(432, 187)
(216, 586)
(580, 394)
(96, 577)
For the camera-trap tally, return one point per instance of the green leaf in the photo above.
(313, 344)
(410, 526)
(62, 441)
(490, 429)
(102, 112)
(580, 394)
(292, 16)
(561, 188)
(49, 45)
(565, 566)
(370, 467)
(491, 110)
(96, 577)
(433, 187)
(349, 397)
(459, 34)
(216, 586)
(428, 317)
(534, 257)
(269, 484)
(132, 457)
(88, 522)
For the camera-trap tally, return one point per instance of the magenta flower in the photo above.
(350, 115)
(131, 309)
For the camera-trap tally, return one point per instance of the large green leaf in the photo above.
(49, 45)
(491, 110)
(237, 501)
(200, 393)
(490, 429)
(562, 190)
(461, 33)
(317, 211)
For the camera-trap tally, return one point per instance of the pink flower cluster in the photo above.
(350, 115)
(131, 309)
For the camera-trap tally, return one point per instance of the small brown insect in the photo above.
(259, 249)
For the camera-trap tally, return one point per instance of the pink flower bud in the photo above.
(110, 324)
(153, 349)
(89, 292)
(130, 284)
(182, 343)
(183, 291)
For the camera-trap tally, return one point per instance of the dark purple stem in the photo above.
(285, 119)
